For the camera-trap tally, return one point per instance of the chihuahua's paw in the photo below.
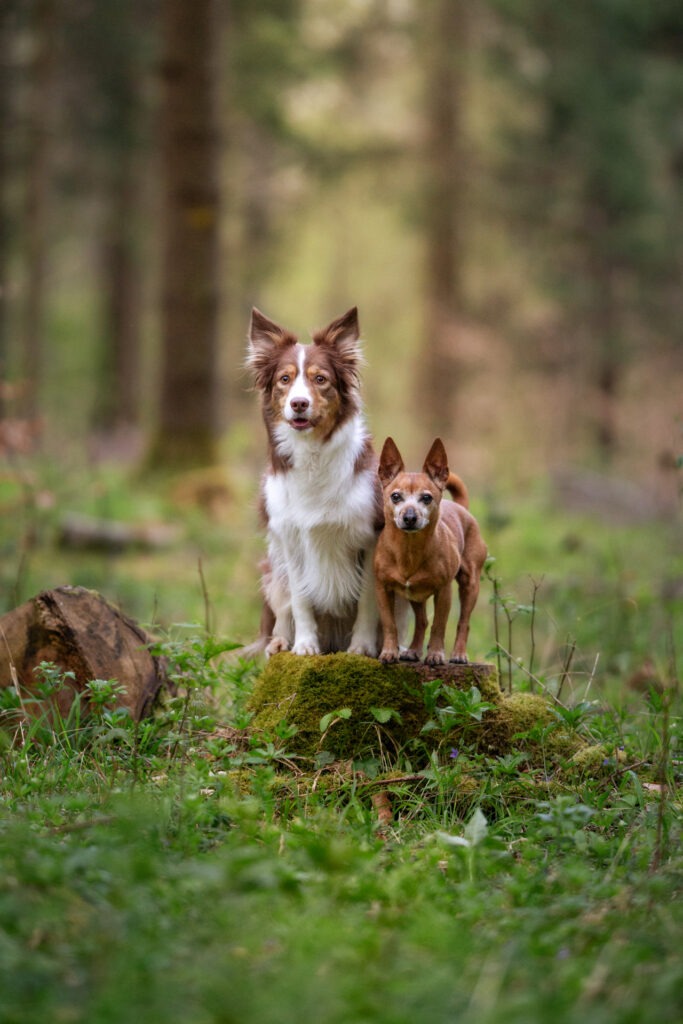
(435, 658)
(306, 648)
(389, 655)
(459, 659)
(276, 645)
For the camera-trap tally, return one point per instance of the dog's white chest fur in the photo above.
(320, 515)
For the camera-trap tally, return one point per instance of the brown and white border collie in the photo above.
(320, 496)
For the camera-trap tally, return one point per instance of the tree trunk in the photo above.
(118, 405)
(189, 422)
(37, 198)
(606, 356)
(5, 85)
(445, 52)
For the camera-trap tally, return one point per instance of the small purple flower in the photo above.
(454, 754)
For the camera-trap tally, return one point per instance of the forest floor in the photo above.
(192, 869)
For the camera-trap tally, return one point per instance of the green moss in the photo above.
(515, 715)
(593, 760)
(525, 721)
(302, 691)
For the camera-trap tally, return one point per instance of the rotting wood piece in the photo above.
(470, 673)
(80, 632)
(79, 532)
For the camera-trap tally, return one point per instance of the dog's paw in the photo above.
(306, 648)
(410, 655)
(435, 658)
(276, 645)
(365, 647)
(459, 659)
(389, 655)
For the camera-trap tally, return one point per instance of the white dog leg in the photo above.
(305, 627)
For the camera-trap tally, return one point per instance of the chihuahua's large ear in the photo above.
(390, 462)
(343, 335)
(436, 464)
(266, 339)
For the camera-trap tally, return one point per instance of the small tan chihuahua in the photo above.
(424, 546)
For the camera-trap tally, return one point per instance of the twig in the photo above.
(631, 767)
(567, 666)
(592, 675)
(536, 587)
(509, 618)
(539, 681)
(80, 826)
(399, 779)
(17, 686)
(496, 628)
(659, 851)
(671, 644)
(205, 595)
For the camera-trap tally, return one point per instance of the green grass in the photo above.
(186, 871)
(189, 870)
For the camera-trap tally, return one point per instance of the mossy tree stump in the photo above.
(303, 690)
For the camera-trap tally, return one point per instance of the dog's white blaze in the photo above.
(299, 389)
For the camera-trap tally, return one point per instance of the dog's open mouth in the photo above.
(300, 423)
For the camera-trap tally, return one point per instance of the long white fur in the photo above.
(321, 537)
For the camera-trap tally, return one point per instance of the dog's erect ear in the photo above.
(266, 339)
(390, 462)
(263, 331)
(436, 464)
(343, 335)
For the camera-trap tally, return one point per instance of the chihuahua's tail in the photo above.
(457, 490)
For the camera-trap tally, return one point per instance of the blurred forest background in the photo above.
(497, 184)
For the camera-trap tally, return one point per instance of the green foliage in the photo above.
(455, 708)
(172, 880)
(193, 867)
(374, 711)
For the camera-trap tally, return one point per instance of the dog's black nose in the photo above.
(299, 404)
(409, 519)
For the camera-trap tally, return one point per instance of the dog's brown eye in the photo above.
(396, 497)
(284, 379)
(426, 498)
(320, 379)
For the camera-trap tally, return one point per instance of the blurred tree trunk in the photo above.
(115, 45)
(607, 359)
(189, 422)
(119, 392)
(445, 54)
(5, 34)
(596, 175)
(37, 195)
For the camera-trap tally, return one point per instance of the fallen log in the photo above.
(77, 532)
(81, 633)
